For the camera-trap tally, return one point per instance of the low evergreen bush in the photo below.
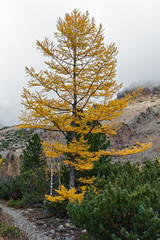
(12, 189)
(30, 186)
(58, 209)
(9, 232)
(127, 205)
(116, 213)
(27, 189)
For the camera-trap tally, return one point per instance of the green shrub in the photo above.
(12, 189)
(26, 189)
(145, 225)
(58, 209)
(28, 200)
(34, 182)
(5, 144)
(9, 231)
(128, 176)
(19, 203)
(116, 213)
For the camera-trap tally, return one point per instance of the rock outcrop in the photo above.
(141, 122)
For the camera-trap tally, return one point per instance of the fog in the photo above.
(132, 25)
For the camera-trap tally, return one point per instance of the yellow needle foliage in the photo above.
(78, 86)
(65, 194)
(142, 147)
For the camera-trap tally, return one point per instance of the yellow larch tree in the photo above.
(77, 87)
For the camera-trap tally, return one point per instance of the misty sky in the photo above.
(133, 25)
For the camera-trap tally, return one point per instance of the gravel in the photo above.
(23, 224)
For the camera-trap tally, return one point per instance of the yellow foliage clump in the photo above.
(65, 194)
(141, 147)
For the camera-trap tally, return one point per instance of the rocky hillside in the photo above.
(14, 140)
(141, 121)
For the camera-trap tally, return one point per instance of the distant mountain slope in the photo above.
(141, 122)
(14, 140)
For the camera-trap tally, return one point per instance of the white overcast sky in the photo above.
(134, 25)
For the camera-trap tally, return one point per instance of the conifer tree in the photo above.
(33, 157)
(77, 87)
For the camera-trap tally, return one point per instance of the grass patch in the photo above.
(8, 231)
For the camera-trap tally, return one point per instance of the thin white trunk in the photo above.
(51, 187)
(59, 171)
